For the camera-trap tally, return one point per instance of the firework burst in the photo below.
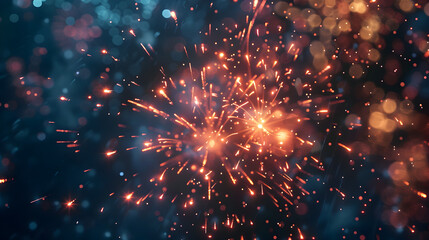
(239, 120)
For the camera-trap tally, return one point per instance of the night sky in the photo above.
(222, 119)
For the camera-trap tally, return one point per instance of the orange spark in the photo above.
(345, 147)
(70, 203)
(110, 153)
(129, 196)
(132, 32)
(421, 194)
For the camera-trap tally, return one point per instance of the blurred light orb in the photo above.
(38, 3)
(166, 13)
(389, 106)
